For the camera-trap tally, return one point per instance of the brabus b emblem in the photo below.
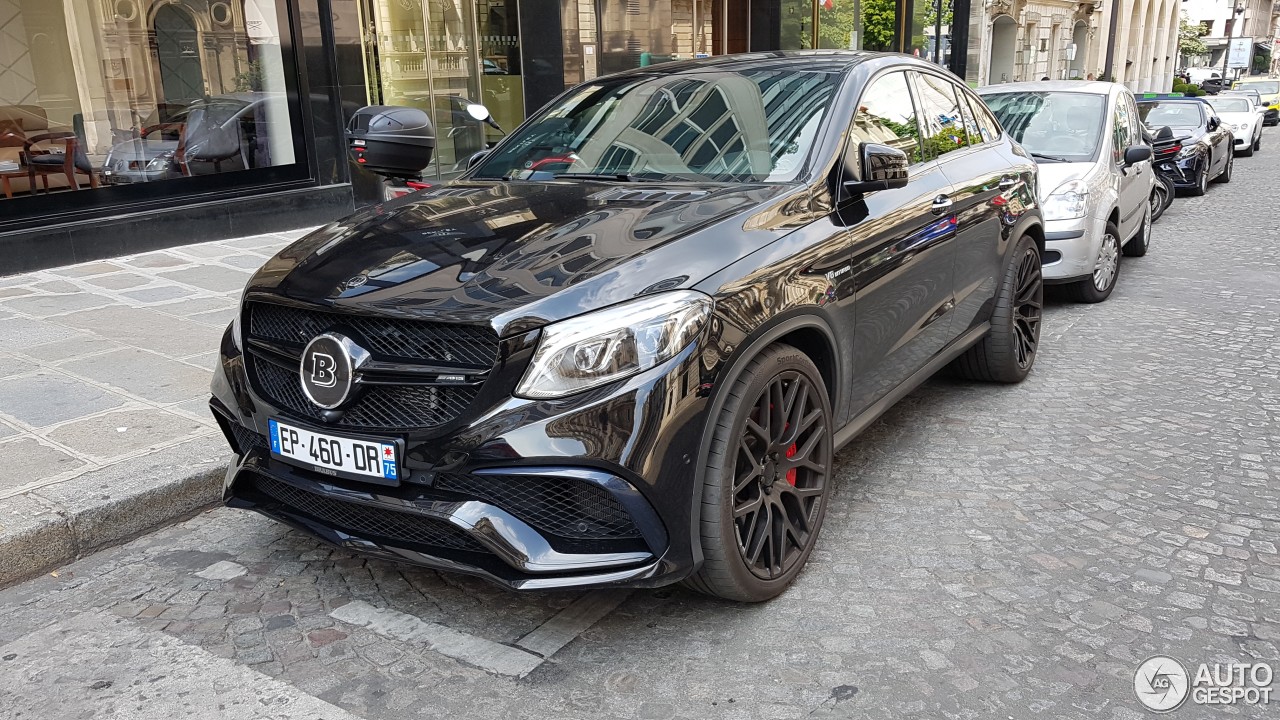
(328, 367)
(323, 369)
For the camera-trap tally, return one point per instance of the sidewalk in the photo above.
(104, 380)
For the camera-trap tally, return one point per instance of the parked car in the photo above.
(1240, 115)
(1096, 180)
(1207, 152)
(1269, 88)
(624, 347)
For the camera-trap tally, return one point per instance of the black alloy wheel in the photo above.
(767, 478)
(1008, 350)
(777, 481)
(1028, 308)
(1225, 176)
(1202, 181)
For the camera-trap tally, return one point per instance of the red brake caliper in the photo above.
(791, 474)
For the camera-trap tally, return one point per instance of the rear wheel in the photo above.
(1098, 286)
(1137, 246)
(1008, 351)
(767, 477)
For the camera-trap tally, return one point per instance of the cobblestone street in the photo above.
(989, 552)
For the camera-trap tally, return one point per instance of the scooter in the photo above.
(1164, 152)
(397, 143)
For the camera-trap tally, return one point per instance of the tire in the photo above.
(1098, 286)
(743, 444)
(1008, 351)
(1257, 144)
(1161, 197)
(1202, 183)
(1138, 244)
(1247, 152)
(1224, 177)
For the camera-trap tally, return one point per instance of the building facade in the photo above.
(129, 125)
(1252, 19)
(1062, 39)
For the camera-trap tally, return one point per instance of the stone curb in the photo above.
(56, 524)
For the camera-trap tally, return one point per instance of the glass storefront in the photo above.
(107, 101)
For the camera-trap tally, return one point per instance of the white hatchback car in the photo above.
(1243, 118)
(1095, 172)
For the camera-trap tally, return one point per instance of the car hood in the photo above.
(1054, 174)
(1239, 118)
(521, 254)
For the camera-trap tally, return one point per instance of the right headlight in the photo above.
(614, 343)
(1067, 202)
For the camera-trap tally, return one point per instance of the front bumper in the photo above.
(1070, 249)
(624, 452)
(1184, 172)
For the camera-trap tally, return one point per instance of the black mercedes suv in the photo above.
(624, 346)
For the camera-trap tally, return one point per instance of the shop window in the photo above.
(132, 99)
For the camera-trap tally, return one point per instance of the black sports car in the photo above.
(625, 346)
(1205, 150)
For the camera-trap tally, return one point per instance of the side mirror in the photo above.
(1213, 124)
(874, 167)
(481, 113)
(1136, 154)
(475, 158)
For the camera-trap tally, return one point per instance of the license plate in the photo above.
(338, 455)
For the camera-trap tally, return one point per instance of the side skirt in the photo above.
(881, 406)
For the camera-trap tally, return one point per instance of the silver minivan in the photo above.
(1096, 178)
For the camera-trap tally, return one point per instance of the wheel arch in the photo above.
(803, 329)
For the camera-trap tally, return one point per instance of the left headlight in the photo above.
(1068, 202)
(607, 345)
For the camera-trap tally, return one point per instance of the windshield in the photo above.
(1061, 125)
(722, 126)
(1230, 104)
(1265, 87)
(1173, 114)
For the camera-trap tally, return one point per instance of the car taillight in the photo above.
(1171, 150)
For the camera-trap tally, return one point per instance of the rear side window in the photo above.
(887, 116)
(941, 117)
(988, 128)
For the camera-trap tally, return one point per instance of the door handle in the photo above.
(1007, 182)
(941, 204)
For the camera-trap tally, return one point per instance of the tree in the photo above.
(878, 20)
(1189, 42)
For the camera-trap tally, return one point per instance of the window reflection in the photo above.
(104, 94)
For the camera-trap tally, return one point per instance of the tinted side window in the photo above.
(988, 128)
(886, 116)
(941, 117)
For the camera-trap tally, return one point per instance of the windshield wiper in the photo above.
(618, 177)
(1053, 158)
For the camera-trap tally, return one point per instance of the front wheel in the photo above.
(1224, 177)
(767, 478)
(1008, 351)
(1257, 143)
(1202, 181)
(1106, 269)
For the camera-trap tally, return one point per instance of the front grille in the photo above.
(379, 407)
(366, 521)
(469, 345)
(565, 507)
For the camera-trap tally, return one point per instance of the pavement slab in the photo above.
(49, 397)
(143, 374)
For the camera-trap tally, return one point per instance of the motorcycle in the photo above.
(1164, 151)
(397, 143)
